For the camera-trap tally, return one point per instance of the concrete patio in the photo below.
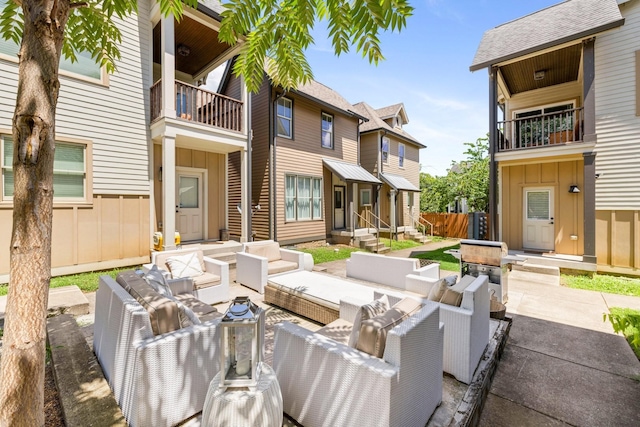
(562, 364)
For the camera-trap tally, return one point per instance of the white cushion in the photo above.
(366, 312)
(437, 290)
(185, 265)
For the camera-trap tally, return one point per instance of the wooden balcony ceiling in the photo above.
(201, 41)
(559, 66)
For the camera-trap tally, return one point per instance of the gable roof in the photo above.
(564, 22)
(377, 123)
(392, 111)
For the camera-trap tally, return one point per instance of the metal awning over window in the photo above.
(350, 172)
(398, 183)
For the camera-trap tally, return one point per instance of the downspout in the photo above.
(273, 163)
(270, 136)
(384, 132)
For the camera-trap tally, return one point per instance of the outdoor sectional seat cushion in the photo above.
(200, 281)
(280, 266)
(205, 279)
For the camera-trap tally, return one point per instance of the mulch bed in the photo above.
(53, 416)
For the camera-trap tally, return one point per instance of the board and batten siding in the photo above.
(617, 125)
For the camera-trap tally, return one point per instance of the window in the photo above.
(401, 155)
(365, 197)
(385, 150)
(549, 124)
(327, 131)
(302, 198)
(285, 117)
(69, 173)
(84, 66)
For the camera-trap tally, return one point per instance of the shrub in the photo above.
(627, 322)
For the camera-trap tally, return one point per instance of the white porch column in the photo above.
(168, 191)
(168, 60)
(245, 215)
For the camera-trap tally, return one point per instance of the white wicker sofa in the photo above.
(325, 382)
(466, 333)
(259, 260)
(157, 380)
(387, 270)
(211, 285)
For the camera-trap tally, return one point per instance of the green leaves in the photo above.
(11, 21)
(278, 33)
(627, 322)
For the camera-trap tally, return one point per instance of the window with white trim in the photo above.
(69, 171)
(302, 198)
(365, 197)
(385, 149)
(285, 118)
(83, 66)
(327, 131)
(401, 155)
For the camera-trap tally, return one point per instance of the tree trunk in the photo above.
(23, 352)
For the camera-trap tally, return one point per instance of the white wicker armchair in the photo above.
(259, 260)
(157, 380)
(327, 383)
(466, 332)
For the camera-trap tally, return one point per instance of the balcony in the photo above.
(201, 106)
(541, 130)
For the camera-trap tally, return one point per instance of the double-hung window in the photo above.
(327, 131)
(69, 171)
(385, 150)
(285, 118)
(303, 198)
(400, 155)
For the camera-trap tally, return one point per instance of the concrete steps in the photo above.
(371, 244)
(65, 299)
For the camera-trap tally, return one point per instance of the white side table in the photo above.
(261, 407)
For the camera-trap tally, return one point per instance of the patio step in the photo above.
(65, 299)
(538, 268)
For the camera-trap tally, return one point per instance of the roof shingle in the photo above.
(554, 25)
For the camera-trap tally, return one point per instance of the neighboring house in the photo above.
(306, 177)
(392, 155)
(134, 147)
(564, 134)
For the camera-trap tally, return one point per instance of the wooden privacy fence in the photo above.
(454, 225)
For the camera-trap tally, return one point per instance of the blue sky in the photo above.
(427, 69)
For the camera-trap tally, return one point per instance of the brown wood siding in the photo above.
(568, 207)
(303, 155)
(260, 165)
(369, 152)
(214, 164)
(113, 228)
(411, 169)
(234, 188)
(233, 89)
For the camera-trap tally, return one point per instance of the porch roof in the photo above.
(564, 22)
(398, 182)
(350, 171)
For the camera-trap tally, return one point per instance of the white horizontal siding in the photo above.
(617, 127)
(114, 117)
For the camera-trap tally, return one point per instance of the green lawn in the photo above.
(87, 282)
(603, 283)
(329, 253)
(447, 262)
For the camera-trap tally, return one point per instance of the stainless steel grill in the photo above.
(482, 257)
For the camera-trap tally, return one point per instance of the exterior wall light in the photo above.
(574, 189)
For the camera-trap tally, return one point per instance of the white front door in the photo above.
(338, 207)
(539, 231)
(189, 212)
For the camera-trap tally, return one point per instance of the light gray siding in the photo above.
(112, 117)
(617, 126)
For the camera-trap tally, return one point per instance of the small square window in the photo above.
(365, 197)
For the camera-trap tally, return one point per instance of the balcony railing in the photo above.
(199, 105)
(541, 130)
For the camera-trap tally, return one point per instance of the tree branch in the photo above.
(78, 4)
